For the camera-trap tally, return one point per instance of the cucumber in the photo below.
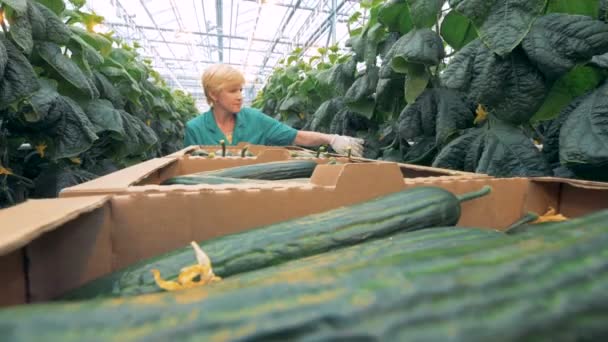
(456, 284)
(264, 171)
(406, 210)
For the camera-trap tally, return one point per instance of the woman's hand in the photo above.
(341, 144)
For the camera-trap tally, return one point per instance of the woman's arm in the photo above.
(310, 138)
(340, 143)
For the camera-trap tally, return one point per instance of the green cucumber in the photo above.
(265, 171)
(406, 210)
(456, 284)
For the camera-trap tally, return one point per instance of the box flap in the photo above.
(25, 222)
(574, 182)
(122, 179)
(359, 175)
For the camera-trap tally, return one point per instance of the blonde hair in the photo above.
(217, 76)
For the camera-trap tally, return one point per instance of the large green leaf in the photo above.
(422, 46)
(322, 118)
(19, 79)
(74, 132)
(425, 13)
(99, 42)
(457, 30)
(453, 155)
(422, 151)
(501, 24)
(3, 58)
(65, 67)
(583, 141)
(551, 130)
(437, 113)
(389, 95)
(557, 42)
(395, 15)
(365, 45)
(510, 87)
(57, 6)
(583, 7)
(19, 6)
(105, 117)
(575, 83)
(46, 25)
(603, 11)
(510, 153)
(138, 136)
(21, 31)
(43, 102)
(416, 81)
(359, 96)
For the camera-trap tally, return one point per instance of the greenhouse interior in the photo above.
(286, 170)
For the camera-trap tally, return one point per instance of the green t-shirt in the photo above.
(251, 126)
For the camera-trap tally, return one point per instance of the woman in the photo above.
(227, 120)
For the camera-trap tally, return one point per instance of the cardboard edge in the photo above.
(574, 182)
(73, 209)
(120, 180)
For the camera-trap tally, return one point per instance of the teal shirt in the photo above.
(251, 126)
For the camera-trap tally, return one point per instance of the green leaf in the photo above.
(373, 37)
(86, 51)
(603, 11)
(21, 31)
(99, 42)
(551, 130)
(321, 119)
(438, 113)
(65, 67)
(583, 7)
(422, 151)
(501, 24)
(510, 87)
(395, 15)
(425, 13)
(19, 78)
(453, 155)
(3, 57)
(509, 153)
(104, 117)
(422, 46)
(389, 95)
(75, 133)
(359, 98)
(457, 30)
(43, 102)
(575, 83)
(557, 42)
(57, 6)
(46, 25)
(583, 141)
(416, 81)
(19, 6)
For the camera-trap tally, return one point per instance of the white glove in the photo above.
(341, 143)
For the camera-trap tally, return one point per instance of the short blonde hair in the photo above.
(217, 76)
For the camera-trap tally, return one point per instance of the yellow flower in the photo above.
(481, 114)
(40, 148)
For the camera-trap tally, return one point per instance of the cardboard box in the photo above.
(48, 247)
(147, 176)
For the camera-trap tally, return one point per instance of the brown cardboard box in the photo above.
(147, 175)
(69, 241)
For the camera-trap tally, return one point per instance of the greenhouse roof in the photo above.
(183, 37)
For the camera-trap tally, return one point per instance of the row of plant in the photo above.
(76, 104)
(503, 87)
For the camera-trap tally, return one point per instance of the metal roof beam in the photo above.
(219, 11)
(160, 29)
(205, 46)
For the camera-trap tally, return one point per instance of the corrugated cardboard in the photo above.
(154, 171)
(69, 241)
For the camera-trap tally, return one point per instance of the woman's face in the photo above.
(230, 98)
